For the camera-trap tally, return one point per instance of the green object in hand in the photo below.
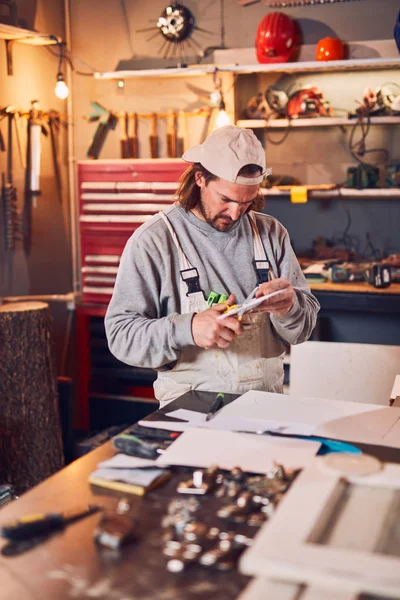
(212, 298)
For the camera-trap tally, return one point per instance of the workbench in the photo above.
(358, 313)
(68, 565)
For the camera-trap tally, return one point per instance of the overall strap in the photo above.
(189, 274)
(261, 263)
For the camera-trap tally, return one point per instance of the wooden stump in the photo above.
(30, 431)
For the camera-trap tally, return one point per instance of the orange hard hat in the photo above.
(275, 39)
(329, 49)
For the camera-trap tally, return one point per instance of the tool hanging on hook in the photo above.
(107, 121)
(124, 132)
(11, 218)
(55, 123)
(133, 139)
(171, 134)
(36, 129)
(32, 172)
(153, 137)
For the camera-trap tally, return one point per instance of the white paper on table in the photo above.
(187, 415)
(200, 447)
(347, 421)
(195, 418)
(257, 425)
(396, 388)
(123, 461)
(219, 421)
(167, 425)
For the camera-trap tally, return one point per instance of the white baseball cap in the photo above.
(226, 151)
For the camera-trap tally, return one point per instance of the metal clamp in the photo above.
(192, 279)
(261, 268)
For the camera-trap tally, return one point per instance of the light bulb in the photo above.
(61, 90)
(222, 118)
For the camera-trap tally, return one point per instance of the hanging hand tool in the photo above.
(153, 136)
(36, 129)
(2, 144)
(181, 141)
(54, 129)
(17, 121)
(32, 172)
(133, 140)
(108, 121)
(171, 136)
(124, 142)
(9, 204)
(27, 210)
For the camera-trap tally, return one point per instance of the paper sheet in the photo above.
(396, 388)
(258, 425)
(200, 447)
(348, 421)
(229, 424)
(123, 461)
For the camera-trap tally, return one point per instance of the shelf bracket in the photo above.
(9, 48)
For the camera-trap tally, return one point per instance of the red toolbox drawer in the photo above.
(115, 198)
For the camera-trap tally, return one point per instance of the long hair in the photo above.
(188, 192)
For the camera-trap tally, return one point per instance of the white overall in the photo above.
(244, 366)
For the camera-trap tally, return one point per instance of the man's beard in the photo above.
(220, 222)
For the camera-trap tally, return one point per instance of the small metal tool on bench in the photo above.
(115, 528)
(201, 483)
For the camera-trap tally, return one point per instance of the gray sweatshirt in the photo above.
(143, 323)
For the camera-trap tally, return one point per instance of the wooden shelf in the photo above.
(26, 36)
(189, 71)
(23, 36)
(356, 64)
(313, 122)
(342, 192)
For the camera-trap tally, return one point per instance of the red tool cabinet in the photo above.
(115, 198)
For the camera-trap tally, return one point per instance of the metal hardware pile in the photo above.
(242, 500)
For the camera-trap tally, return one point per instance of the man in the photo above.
(211, 240)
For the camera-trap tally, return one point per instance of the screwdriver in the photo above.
(41, 524)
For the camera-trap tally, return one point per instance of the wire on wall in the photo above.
(358, 148)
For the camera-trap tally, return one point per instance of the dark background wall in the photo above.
(48, 268)
(313, 156)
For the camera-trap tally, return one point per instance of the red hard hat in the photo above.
(276, 38)
(329, 49)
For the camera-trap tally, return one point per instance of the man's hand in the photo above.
(208, 332)
(279, 304)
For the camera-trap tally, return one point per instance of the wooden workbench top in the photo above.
(360, 287)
